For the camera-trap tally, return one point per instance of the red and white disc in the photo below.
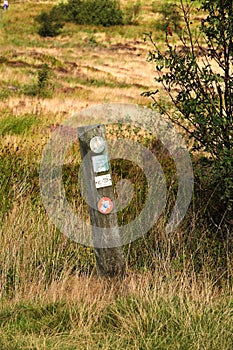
(105, 205)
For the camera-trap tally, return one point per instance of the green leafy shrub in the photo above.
(91, 12)
(43, 86)
(97, 12)
(50, 23)
(197, 78)
(88, 12)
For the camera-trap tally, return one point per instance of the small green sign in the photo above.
(100, 163)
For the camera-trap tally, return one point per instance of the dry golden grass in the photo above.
(115, 60)
(51, 296)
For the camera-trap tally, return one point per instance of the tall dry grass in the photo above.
(177, 293)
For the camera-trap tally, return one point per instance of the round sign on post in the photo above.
(97, 144)
(105, 205)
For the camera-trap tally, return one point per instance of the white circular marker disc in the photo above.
(97, 144)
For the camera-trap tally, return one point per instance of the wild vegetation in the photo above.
(201, 72)
(178, 288)
(106, 13)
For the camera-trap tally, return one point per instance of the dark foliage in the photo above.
(50, 23)
(97, 12)
(197, 77)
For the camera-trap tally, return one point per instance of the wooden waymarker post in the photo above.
(100, 198)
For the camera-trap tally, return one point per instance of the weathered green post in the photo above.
(100, 197)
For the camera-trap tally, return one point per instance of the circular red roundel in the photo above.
(105, 205)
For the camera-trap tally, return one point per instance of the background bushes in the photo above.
(101, 12)
(50, 23)
(199, 72)
(90, 12)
